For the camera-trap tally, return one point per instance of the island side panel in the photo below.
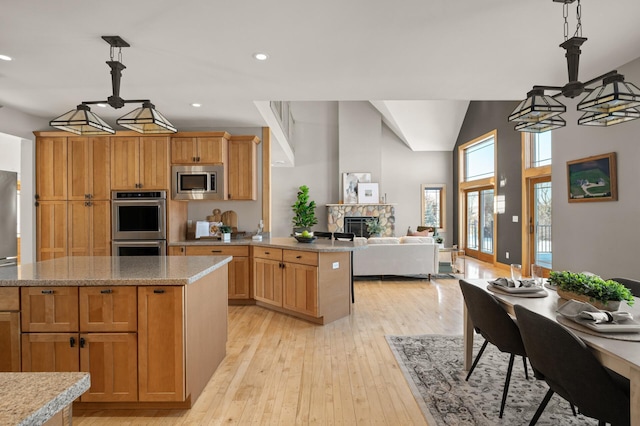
(206, 328)
(334, 299)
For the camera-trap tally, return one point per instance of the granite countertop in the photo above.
(33, 398)
(319, 245)
(112, 270)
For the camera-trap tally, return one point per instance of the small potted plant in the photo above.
(374, 228)
(226, 233)
(304, 212)
(603, 294)
(439, 239)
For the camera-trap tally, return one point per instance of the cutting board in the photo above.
(230, 218)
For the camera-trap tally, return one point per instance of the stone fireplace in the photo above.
(337, 213)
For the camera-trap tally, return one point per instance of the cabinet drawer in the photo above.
(49, 309)
(218, 250)
(9, 298)
(267, 253)
(113, 308)
(303, 257)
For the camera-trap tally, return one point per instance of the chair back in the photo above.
(322, 234)
(344, 236)
(572, 370)
(631, 284)
(491, 320)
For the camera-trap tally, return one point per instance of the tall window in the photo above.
(479, 160)
(540, 149)
(433, 203)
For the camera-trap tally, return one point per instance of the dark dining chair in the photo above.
(572, 371)
(347, 236)
(631, 284)
(323, 235)
(496, 326)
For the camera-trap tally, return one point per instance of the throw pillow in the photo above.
(424, 233)
(416, 240)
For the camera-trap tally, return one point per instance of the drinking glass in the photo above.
(537, 274)
(516, 273)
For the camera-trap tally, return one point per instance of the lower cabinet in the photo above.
(9, 329)
(267, 281)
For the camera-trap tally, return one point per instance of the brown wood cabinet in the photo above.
(89, 228)
(51, 168)
(140, 162)
(199, 150)
(161, 368)
(49, 309)
(267, 275)
(89, 168)
(9, 329)
(57, 352)
(51, 229)
(242, 168)
(239, 268)
(300, 288)
(108, 309)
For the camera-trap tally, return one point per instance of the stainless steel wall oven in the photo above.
(139, 223)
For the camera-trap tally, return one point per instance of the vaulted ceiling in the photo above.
(419, 62)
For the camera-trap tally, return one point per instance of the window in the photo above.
(540, 149)
(479, 160)
(433, 203)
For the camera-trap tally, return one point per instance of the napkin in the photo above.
(505, 282)
(574, 310)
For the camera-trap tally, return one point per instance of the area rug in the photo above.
(433, 367)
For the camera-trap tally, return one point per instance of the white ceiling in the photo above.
(437, 53)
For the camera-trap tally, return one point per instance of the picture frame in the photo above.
(368, 193)
(350, 182)
(592, 179)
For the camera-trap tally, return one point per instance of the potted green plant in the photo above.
(304, 211)
(439, 239)
(225, 230)
(374, 228)
(603, 294)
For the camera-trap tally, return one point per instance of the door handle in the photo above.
(158, 291)
(47, 291)
(106, 291)
(72, 342)
(82, 342)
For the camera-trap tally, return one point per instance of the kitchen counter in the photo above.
(116, 270)
(318, 246)
(34, 398)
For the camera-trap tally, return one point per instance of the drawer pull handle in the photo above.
(266, 252)
(298, 257)
(158, 291)
(106, 291)
(47, 291)
(72, 342)
(216, 251)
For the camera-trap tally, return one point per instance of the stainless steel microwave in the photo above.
(202, 182)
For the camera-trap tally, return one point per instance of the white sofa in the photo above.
(396, 256)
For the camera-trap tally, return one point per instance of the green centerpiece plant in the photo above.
(604, 294)
(304, 211)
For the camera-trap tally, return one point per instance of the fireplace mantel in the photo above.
(384, 212)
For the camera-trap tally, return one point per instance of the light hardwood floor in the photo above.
(280, 370)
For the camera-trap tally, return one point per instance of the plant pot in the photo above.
(612, 305)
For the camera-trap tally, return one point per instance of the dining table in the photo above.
(621, 356)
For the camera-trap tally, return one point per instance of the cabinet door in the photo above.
(267, 281)
(9, 341)
(51, 229)
(154, 163)
(125, 163)
(212, 150)
(100, 163)
(49, 309)
(79, 223)
(79, 168)
(161, 357)
(112, 309)
(176, 251)
(243, 181)
(184, 150)
(51, 167)
(239, 283)
(111, 359)
(300, 288)
(100, 212)
(57, 352)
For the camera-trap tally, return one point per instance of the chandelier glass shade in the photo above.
(145, 119)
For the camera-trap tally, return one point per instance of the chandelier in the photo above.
(145, 119)
(613, 102)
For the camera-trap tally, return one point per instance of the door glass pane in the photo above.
(542, 220)
(487, 221)
(472, 220)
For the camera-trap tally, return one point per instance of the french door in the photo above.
(479, 224)
(540, 247)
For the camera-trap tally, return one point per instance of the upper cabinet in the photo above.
(89, 168)
(140, 162)
(242, 168)
(51, 167)
(200, 150)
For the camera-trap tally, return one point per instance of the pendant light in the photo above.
(611, 103)
(145, 119)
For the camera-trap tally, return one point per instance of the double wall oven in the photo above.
(139, 223)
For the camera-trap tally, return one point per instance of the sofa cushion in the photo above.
(383, 240)
(416, 240)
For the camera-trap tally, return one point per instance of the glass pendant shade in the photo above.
(82, 121)
(606, 119)
(614, 95)
(537, 107)
(146, 119)
(541, 126)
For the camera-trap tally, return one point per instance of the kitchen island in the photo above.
(312, 281)
(150, 330)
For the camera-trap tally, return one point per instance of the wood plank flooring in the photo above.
(280, 370)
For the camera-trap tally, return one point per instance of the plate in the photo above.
(302, 239)
(626, 326)
(516, 289)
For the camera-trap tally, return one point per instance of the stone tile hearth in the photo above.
(384, 212)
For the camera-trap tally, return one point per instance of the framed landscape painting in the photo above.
(592, 178)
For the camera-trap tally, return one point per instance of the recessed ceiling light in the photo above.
(5, 58)
(196, 105)
(261, 56)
